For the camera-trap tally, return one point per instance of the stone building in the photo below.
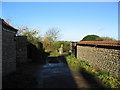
(104, 55)
(0, 54)
(8, 48)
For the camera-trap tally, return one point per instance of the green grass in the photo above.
(108, 80)
(53, 54)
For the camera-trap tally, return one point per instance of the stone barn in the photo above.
(8, 48)
(104, 55)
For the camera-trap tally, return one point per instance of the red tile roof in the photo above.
(100, 43)
(4, 24)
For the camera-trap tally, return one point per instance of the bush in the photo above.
(91, 38)
(97, 38)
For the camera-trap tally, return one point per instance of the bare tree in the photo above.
(9, 20)
(53, 34)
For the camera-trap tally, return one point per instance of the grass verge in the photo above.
(108, 80)
(55, 54)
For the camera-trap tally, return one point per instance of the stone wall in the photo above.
(27, 52)
(21, 49)
(37, 54)
(104, 59)
(73, 47)
(8, 52)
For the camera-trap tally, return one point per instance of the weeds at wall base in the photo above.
(108, 80)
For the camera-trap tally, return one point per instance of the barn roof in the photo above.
(100, 43)
(8, 26)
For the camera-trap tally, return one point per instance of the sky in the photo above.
(75, 20)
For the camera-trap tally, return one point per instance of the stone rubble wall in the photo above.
(21, 49)
(107, 60)
(0, 54)
(8, 52)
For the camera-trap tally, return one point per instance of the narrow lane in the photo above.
(55, 74)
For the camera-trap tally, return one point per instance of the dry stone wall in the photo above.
(107, 60)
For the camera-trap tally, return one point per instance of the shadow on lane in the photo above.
(55, 74)
(59, 75)
(66, 81)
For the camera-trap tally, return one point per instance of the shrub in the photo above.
(97, 38)
(91, 38)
